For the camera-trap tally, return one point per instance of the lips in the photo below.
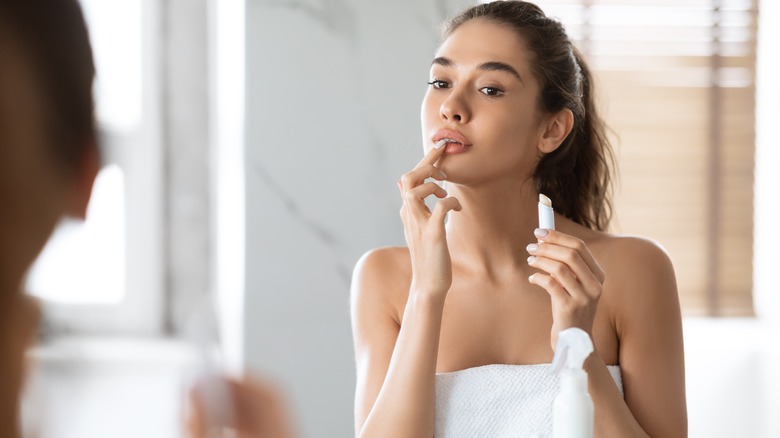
(451, 137)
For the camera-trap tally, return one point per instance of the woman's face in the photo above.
(483, 96)
(33, 187)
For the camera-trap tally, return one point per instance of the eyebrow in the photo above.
(487, 66)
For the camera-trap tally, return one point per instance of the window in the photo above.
(84, 263)
(676, 81)
(104, 275)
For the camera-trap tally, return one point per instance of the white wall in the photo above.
(333, 96)
(732, 383)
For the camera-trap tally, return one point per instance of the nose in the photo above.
(455, 108)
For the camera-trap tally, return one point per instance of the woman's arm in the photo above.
(396, 366)
(649, 326)
(396, 356)
(643, 301)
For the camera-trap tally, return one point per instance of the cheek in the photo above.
(512, 141)
(32, 195)
(35, 178)
(520, 125)
(508, 126)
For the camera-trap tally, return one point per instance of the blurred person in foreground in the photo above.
(49, 159)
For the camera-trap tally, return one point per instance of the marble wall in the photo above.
(333, 98)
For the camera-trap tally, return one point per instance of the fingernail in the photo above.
(532, 247)
(439, 144)
(541, 232)
(444, 175)
(531, 259)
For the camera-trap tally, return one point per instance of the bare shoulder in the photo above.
(640, 281)
(381, 278)
(622, 256)
(390, 263)
(632, 255)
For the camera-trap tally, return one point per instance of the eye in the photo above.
(491, 91)
(438, 84)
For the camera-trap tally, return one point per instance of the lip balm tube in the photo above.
(546, 213)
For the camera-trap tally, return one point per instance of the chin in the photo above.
(478, 172)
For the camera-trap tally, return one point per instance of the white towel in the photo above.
(499, 401)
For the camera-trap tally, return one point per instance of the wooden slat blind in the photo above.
(676, 81)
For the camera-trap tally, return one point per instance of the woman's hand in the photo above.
(424, 230)
(254, 408)
(570, 275)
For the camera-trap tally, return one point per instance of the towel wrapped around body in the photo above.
(499, 401)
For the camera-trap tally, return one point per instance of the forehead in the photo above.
(479, 40)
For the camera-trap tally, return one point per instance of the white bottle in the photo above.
(573, 407)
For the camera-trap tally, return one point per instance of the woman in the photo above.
(514, 101)
(48, 163)
(48, 159)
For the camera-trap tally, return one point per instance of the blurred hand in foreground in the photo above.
(250, 407)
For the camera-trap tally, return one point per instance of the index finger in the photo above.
(433, 155)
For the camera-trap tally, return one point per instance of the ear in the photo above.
(84, 179)
(556, 129)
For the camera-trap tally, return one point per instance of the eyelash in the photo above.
(498, 92)
(439, 84)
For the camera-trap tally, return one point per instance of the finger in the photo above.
(212, 406)
(561, 273)
(433, 155)
(443, 207)
(414, 199)
(562, 239)
(261, 410)
(572, 259)
(419, 174)
(196, 416)
(423, 191)
(557, 293)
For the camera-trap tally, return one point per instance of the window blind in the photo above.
(676, 85)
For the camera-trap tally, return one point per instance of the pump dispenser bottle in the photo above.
(573, 407)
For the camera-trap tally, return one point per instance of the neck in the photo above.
(17, 326)
(497, 222)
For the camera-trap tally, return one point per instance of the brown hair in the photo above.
(576, 176)
(53, 37)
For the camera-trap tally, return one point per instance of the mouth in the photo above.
(454, 138)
